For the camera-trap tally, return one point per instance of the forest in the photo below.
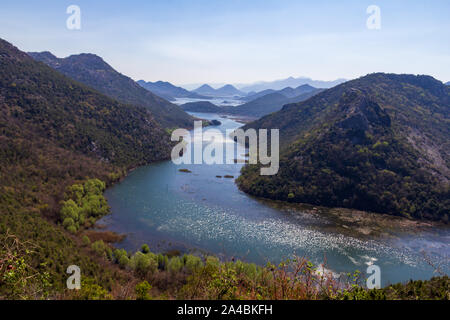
(62, 143)
(379, 143)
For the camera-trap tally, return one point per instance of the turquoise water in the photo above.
(197, 211)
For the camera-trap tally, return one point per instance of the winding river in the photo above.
(198, 211)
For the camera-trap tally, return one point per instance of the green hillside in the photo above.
(54, 132)
(96, 73)
(379, 143)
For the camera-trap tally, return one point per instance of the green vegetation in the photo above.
(84, 204)
(55, 132)
(142, 291)
(61, 144)
(379, 143)
(96, 73)
(34, 256)
(194, 277)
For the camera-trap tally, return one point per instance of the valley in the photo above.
(363, 180)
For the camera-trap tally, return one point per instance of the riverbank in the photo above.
(358, 223)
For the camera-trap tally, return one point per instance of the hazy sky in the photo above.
(198, 41)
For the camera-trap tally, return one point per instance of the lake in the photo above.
(199, 212)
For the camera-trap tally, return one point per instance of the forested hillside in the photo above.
(96, 73)
(379, 143)
(55, 131)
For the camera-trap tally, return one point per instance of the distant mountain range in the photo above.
(96, 73)
(448, 83)
(168, 91)
(258, 106)
(222, 92)
(288, 92)
(274, 101)
(276, 85)
(289, 82)
(379, 143)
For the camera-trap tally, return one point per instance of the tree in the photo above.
(142, 291)
(145, 248)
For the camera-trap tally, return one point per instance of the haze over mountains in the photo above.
(96, 73)
(222, 92)
(288, 92)
(259, 104)
(275, 85)
(168, 91)
(290, 82)
(378, 143)
(273, 102)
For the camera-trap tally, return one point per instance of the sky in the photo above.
(239, 41)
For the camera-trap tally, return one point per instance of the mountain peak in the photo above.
(228, 86)
(169, 91)
(7, 50)
(226, 91)
(44, 54)
(93, 71)
(205, 86)
(90, 60)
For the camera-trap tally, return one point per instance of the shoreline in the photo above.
(362, 224)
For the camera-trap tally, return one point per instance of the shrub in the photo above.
(99, 247)
(192, 262)
(86, 241)
(142, 291)
(72, 229)
(91, 291)
(143, 263)
(175, 265)
(145, 248)
(163, 261)
(124, 261)
(68, 222)
(84, 204)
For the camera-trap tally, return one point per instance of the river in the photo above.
(199, 212)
